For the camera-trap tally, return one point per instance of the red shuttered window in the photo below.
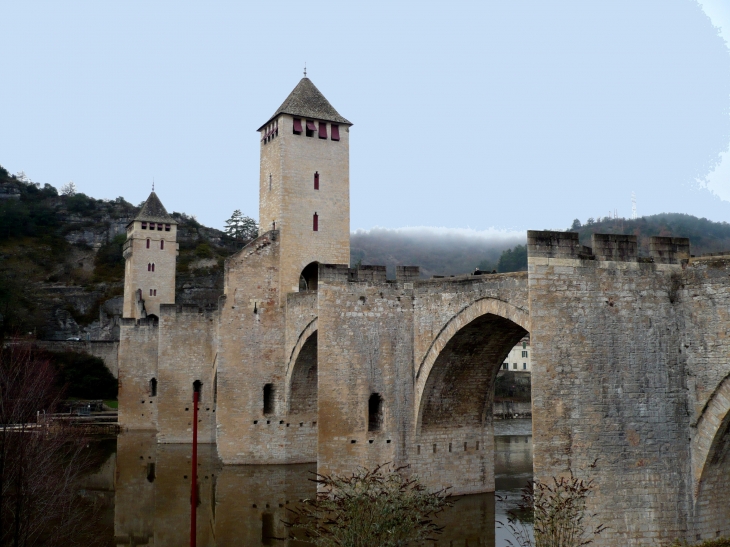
(316, 180)
(311, 130)
(322, 130)
(297, 126)
(335, 132)
(315, 223)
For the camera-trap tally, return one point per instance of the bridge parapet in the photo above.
(551, 244)
(614, 247)
(669, 250)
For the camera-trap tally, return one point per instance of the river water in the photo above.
(145, 488)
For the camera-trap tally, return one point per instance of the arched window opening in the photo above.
(315, 222)
(375, 412)
(151, 472)
(269, 399)
(308, 277)
(148, 243)
(153, 387)
(162, 244)
(149, 267)
(198, 388)
(153, 266)
(316, 180)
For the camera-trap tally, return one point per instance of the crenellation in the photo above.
(669, 250)
(308, 360)
(614, 247)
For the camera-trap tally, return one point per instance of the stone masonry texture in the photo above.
(630, 361)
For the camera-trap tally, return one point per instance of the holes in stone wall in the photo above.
(269, 399)
(449, 447)
(375, 412)
(434, 448)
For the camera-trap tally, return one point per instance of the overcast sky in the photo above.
(492, 114)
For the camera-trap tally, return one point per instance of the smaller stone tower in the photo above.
(150, 253)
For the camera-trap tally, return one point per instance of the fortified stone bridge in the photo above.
(631, 383)
(630, 374)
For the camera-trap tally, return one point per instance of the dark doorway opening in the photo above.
(375, 412)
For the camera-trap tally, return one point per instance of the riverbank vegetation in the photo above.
(41, 465)
(381, 507)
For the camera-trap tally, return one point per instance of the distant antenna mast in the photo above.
(634, 216)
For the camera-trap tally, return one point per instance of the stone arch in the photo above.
(308, 279)
(511, 322)
(711, 464)
(301, 368)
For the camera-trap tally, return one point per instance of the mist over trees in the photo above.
(437, 252)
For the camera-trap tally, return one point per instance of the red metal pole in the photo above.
(194, 484)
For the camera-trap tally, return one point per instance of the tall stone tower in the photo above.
(150, 252)
(304, 188)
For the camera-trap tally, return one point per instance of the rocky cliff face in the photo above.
(61, 264)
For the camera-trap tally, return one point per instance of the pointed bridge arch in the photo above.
(301, 367)
(486, 317)
(711, 464)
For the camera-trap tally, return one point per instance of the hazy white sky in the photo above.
(719, 179)
(511, 115)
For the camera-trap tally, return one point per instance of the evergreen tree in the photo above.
(241, 227)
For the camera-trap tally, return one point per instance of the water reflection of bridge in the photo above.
(245, 505)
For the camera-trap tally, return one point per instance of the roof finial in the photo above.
(305, 69)
(153, 184)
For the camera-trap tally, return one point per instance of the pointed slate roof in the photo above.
(154, 211)
(307, 101)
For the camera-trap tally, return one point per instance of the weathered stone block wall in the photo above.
(364, 347)
(704, 294)
(251, 338)
(138, 347)
(292, 161)
(186, 352)
(609, 384)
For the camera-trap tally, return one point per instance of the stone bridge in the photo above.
(631, 376)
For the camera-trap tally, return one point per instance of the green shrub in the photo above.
(557, 512)
(203, 251)
(379, 507)
(109, 260)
